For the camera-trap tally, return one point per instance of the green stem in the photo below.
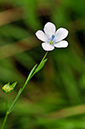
(6, 112)
(44, 56)
(4, 121)
(19, 93)
(40, 63)
(33, 72)
(6, 101)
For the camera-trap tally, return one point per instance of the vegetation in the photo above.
(55, 96)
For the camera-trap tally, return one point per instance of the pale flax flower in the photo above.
(52, 38)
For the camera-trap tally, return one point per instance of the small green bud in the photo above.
(7, 88)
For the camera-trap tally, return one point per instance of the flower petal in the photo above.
(61, 34)
(49, 29)
(61, 44)
(47, 47)
(41, 35)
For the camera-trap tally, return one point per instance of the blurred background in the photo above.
(55, 96)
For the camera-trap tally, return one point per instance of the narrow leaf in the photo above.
(40, 66)
(21, 90)
(14, 84)
(29, 76)
(14, 102)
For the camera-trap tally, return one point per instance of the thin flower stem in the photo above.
(40, 63)
(6, 101)
(4, 121)
(6, 112)
(44, 56)
(34, 72)
(19, 93)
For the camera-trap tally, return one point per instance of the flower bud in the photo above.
(7, 88)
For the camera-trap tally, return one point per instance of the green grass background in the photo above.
(55, 97)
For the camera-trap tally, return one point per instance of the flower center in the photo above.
(51, 41)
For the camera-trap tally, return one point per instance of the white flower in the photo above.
(52, 38)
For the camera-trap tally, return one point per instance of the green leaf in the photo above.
(21, 90)
(14, 84)
(30, 76)
(40, 66)
(14, 102)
